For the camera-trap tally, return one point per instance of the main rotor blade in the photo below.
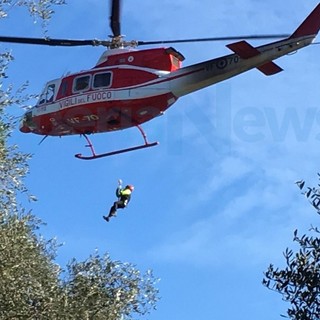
(252, 37)
(107, 43)
(115, 18)
(54, 42)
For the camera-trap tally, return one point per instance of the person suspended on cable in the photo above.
(124, 196)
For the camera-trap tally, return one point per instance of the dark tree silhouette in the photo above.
(299, 281)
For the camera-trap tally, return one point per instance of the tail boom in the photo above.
(246, 57)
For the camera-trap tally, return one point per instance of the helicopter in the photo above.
(128, 86)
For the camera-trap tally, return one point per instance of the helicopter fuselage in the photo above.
(129, 87)
(126, 88)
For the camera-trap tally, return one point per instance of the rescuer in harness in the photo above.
(124, 196)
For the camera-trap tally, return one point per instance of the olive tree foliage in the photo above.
(40, 10)
(299, 281)
(13, 164)
(32, 284)
(100, 288)
(29, 279)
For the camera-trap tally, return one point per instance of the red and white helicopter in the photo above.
(128, 87)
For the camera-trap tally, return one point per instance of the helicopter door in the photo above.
(49, 93)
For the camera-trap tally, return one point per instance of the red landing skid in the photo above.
(102, 155)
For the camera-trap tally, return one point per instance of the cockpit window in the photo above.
(48, 94)
(102, 80)
(81, 83)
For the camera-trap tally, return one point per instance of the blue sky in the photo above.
(215, 202)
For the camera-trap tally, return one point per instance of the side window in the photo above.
(48, 94)
(81, 83)
(102, 80)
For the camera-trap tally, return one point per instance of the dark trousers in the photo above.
(116, 205)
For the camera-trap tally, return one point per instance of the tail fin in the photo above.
(310, 26)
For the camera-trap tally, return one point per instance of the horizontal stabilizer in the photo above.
(246, 51)
(270, 68)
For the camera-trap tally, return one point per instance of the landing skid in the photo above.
(102, 155)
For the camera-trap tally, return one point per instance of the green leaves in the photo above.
(33, 286)
(38, 9)
(28, 276)
(13, 164)
(299, 282)
(104, 289)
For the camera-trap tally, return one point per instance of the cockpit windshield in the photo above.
(49, 93)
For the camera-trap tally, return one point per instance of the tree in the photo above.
(100, 288)
(32, 285)
(299, 282)
(38, 9)
(29, 282)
